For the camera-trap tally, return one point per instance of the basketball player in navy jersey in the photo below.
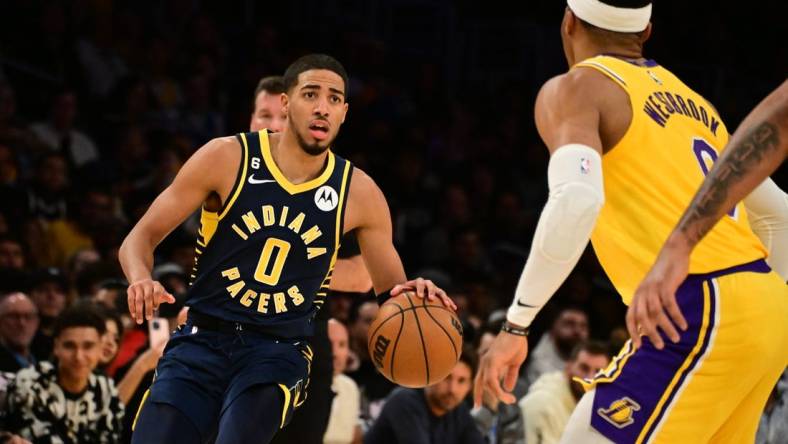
(274, 209)
(310, 421)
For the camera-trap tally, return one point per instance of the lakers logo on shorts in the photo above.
(620, 412)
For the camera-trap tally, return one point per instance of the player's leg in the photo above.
(311, 419)
(742, 425)
(722, 392)
(579, 429)
(159, 422)
(253, 417)
(268, 384)
(189, 384)
(748, 358)
(636, 392)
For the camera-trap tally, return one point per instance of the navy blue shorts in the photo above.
(202, 372)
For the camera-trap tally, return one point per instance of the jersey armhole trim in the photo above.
(343, 198)
(239, 181)
(605, 70)
(610, 74)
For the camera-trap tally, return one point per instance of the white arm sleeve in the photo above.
(767, 209)
(574, 176)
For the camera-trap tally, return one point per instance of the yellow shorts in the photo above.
(710, 387)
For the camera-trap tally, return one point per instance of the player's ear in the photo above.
(284, 101)
(569, 22)
(646, 34)
(344, 112)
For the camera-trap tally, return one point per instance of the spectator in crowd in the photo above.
(552, 398)
(81, 269)
(268, 112)
(432, 415)
(12, 255)
(569, 328)
(171, 276)
(110, 340)
(111, 293)
(66, 401)
(79, 231)
(499, 423)
(7, 437)
(48, 292)
(343, 424)
(18, 324)
(59, 133)
(46, 198)
(773, 427)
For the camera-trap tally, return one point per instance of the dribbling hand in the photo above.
(145, 296)
(424, 288)
(502, 361)
(656, 295)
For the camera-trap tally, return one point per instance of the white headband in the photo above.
(611, 18)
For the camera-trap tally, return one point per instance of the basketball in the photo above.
(415, 342)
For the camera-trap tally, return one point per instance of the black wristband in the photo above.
(383, 297)
(513, 329)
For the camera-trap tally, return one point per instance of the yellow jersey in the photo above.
(652, 173)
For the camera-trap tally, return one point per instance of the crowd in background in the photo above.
(102, 102)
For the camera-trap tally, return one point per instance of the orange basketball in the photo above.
(415, 342)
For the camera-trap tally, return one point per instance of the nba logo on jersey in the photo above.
(326, 198)
(620, 412)
(585, 165)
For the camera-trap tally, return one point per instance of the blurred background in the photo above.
(101, 102)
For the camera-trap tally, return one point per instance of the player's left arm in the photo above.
(368, 213)
(568, 115)
(758, 147)
(767, 210)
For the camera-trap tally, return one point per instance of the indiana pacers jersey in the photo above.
(651, 175)
(266, 258)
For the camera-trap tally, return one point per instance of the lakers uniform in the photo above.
(263, 267)
(713, 384)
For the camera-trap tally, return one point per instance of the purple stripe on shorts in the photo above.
(688, 370)
(622, 407)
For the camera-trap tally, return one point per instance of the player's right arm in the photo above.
(568, 114)
(213, 168)
(368, 213)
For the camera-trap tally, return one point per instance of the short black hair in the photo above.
(592, 348)
(109, 314)
(470, 358)
(81, 314)
(271, 85)
(310, 62)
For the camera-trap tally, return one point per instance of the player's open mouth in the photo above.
(318, 129)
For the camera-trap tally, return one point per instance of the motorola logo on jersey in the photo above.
(326, 198)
